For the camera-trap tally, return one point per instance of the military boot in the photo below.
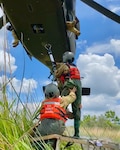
(76, 128)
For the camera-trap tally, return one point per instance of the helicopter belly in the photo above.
(38, 23)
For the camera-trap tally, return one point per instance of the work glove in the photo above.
(66, 100)
(69, 114)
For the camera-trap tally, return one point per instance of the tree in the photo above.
(111, 116)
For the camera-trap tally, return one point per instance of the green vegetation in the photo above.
(16, 127)
(109, 119)
(65, 145)
(105, 127)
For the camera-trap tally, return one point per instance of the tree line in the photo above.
(107, 120)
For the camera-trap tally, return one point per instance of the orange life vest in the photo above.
(51, 109)
(74, 72)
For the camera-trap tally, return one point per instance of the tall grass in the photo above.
(102, 133)
(106, 134)
(16, 129)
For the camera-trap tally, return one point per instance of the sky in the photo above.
(97, 57)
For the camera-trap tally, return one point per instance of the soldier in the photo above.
(68, 76)
(53, 114)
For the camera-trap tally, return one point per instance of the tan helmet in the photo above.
(68, 57)
(51, 91)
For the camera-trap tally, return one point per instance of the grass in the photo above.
(15, 127)
(106, 134)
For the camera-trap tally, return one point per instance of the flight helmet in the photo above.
(68, 57)
(51, 91)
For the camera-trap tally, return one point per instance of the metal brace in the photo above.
(48, 47)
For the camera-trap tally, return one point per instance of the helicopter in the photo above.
(48, 22)
(48, 28)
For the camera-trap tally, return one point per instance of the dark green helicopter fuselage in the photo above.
(38, 23)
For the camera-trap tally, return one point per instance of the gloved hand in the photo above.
(66, 100)
(73, 89)
(69, 114)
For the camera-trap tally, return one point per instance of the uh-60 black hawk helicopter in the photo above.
(44, 24)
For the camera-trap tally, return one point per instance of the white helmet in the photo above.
(68, 57)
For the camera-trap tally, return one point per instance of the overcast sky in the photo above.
(97, 57)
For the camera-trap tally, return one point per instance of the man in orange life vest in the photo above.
(53, 114)
(68, 76)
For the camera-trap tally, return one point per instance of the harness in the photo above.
(51, 109)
